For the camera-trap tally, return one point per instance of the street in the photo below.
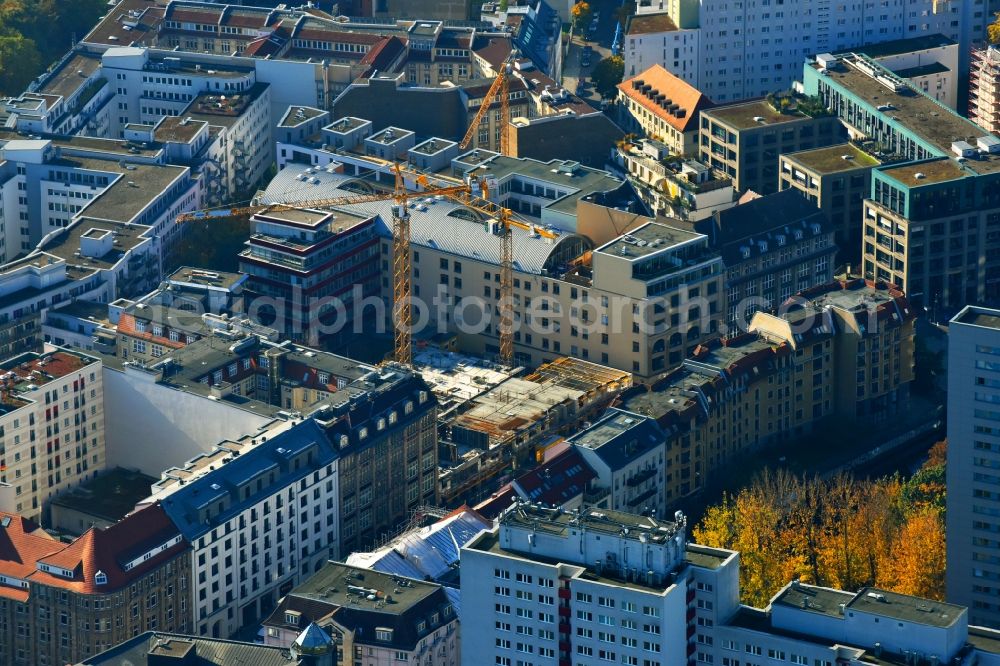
(601, 45)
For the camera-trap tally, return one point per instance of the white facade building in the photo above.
(261, 515)
(734, 50)
(594, 587)
(973, 574)
(589, 587)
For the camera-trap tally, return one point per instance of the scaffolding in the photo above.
(984, 88)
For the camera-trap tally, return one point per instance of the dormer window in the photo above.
(140, 326)
(421, 627)
(101, 578)
(383, 634)
(292, 618)
(381, 424)
(393, 418)
(344, 441)
(422, 397)
(324, 378)
(362, 433)
(408, 407)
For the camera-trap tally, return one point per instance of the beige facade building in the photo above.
(744, 141)
(872, 328)
(847, 354)
(837, 179)
(663, 107)
(52, 428)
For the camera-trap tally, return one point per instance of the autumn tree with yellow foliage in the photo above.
(841, 532)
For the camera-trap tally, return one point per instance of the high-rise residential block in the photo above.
(973, 521)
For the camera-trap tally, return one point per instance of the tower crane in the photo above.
(500, 88)
(505, 222)
(401, 259)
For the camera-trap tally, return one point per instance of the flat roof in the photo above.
(74, 73)
(111, 496)
(742, 116)
(644, 24)
(206, 278)
(821, 600)
(647, 239)
(905, 607)
(978, 316)
(927, 119)
(225, 110)
(67, 242)
(128, 196)
(706, 557)
(346, 124)
(178, 129)
(899, 46)
(297, 115)
(334, 583)
(922, 70)
(831, 159)
(915, 174)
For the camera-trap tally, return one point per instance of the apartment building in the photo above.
(298, 258)
(872, 326)
(782, 379)
(588, 286)
(743, 51)
(29, 287)
(52, 427)
(590, 586)
(48, 184)
(191, 303)
(384, 427)
(152, 648)
(682, 189)
(973, 454)
(773, 246)
(653, 38)
(593, 586)
(64, 602)
(837, 179)
(743, 141)
(626, 453)
(929, 62)
(379, 618)
(663, 107)
(260, 516)
(931, 221)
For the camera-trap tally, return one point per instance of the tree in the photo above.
(993, 30)
(581, 13)
(20, 62)
(608, 74)
(918, 561)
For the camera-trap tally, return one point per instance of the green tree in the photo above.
(20, 62)
(608, 74)
(581, 13)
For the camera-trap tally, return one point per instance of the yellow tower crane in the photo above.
(401, 259)
(499, 89)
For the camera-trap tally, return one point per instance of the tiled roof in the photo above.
(110, 550)
(667, 97)
(557, 481)
(22, 543)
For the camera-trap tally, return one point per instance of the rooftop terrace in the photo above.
(648, 239)
(744, 115)
(978, 316)
(833, 159)
(932, 122)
